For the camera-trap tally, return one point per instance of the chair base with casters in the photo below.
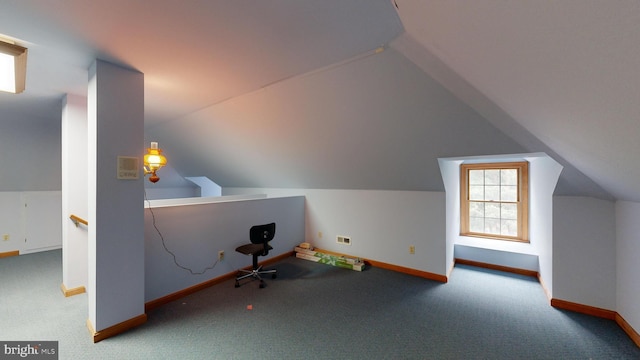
(260, 235)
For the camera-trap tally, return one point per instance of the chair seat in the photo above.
(252, 249)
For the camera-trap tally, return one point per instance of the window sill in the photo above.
(495, 238)
(492, 244)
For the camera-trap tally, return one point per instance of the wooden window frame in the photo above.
(522, 202)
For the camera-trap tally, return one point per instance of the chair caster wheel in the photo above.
(261, 285)
(237, 284)
(274, 276)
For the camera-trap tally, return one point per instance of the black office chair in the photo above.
(260, 235)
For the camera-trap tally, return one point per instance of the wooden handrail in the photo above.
(77, 219)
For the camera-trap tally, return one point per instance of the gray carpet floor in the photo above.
(315, 311)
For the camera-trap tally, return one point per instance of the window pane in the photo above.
(492, 193)
(492, 226)
(476, 224)
(492, 177)
(492, 210)
(476, 192)
(476, 209)
(510, 227)
(509, 177)
(509, 211)
(508, 193)
(476, 177)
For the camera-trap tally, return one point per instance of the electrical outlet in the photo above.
(5, 237)
(412, 249)
(319, 234)
(220, 255)
(344, 240)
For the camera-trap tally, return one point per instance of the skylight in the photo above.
(13, 66)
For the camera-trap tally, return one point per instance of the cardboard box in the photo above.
(345, 262)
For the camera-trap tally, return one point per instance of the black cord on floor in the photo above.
(175, 260)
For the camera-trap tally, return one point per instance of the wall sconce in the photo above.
(153, 161)
(13, 67)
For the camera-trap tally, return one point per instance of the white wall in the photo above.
(171, 185)
(11, 220)
(543, 177)
(116, 233)
(511, 259)
(42, 226)
(584, 251)
(32, 221)
(196, 232)
(30, 175)
(74, 190)
(208, 188)
(627, 264)
(153, 193)
(382, 224)
(30, 154)
(450, 171)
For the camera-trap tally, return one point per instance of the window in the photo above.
(494, 200)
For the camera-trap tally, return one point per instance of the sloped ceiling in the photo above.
(566, 71)
(377, 122)
(294, 93)
(193, 53)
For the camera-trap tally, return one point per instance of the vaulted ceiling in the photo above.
(354, 94)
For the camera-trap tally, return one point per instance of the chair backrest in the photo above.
(262, 234)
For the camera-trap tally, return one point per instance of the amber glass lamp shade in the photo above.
(153, 161)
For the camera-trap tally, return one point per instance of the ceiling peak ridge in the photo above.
(369, 53)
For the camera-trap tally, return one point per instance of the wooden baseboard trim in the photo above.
(392, 267)
(92, 331)
(154, 304)
(453, 265)
(73, 291)
(497, 267)
(583, 309)
(563, 304)
(598, 312)
(409, 271)
(275, 259)
(631, 332)
(9, 254)
(544, 287)
(115, 329)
